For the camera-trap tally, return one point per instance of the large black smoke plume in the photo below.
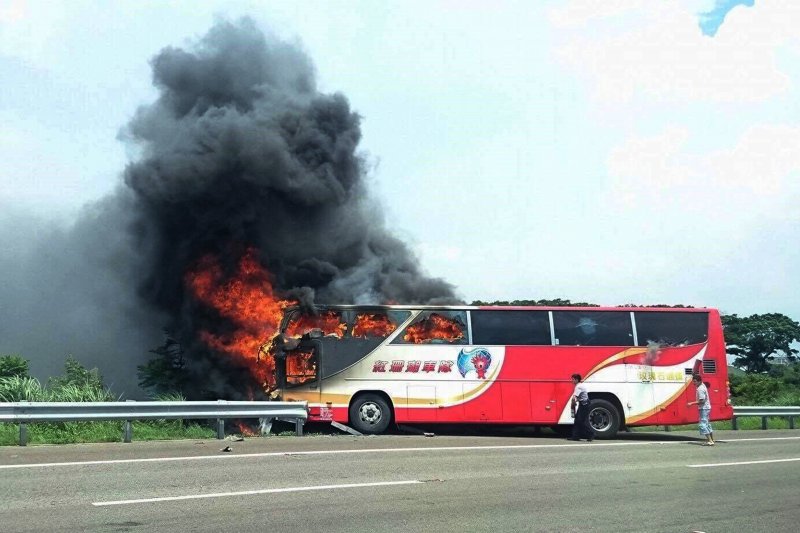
(241, 149)
(241, 152)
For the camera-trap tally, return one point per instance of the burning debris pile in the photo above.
(249, 195)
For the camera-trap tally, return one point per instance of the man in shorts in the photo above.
(703, 402)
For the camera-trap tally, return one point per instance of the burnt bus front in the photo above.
(318, 343)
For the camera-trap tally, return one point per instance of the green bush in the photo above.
(13, 366)
(77, 374)
(754, 389)
(788, 374)
(22, 389)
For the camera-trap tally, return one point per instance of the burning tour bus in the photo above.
(369, 366)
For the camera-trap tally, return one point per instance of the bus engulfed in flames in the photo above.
(249, 314)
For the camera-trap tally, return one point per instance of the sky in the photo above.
(614, 152)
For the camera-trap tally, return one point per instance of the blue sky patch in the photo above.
(710, 21)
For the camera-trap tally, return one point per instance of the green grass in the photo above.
(74, 432)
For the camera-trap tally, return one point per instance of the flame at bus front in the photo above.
(251, 309)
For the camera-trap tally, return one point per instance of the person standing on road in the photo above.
(580, 400)
(703, 402)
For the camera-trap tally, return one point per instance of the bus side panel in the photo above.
(486, 407)
(421, 394)
(516, 401)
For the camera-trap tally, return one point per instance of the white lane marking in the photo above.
(324, 452)
(746, 463)
(371, 450)
(251, 492)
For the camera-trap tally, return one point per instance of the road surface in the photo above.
(639, 482)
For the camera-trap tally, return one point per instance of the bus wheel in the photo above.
(604, 418)
(369, 413)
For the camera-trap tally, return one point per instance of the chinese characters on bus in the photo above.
(413, 366)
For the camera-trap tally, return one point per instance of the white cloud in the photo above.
(579, 13)
(756, 178)
(664, 56)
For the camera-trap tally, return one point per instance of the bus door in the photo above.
(298, 370)
(641, 392)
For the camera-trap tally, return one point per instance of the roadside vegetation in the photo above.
(79, 384)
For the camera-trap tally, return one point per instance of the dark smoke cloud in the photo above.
(239, 151)
(71, 290)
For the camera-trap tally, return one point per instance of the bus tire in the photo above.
(370, 413)
(604, 418)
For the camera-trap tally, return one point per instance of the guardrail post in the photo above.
(220, 428)
(23, 434)
(734, 425)
(298, 427)
(791, 422)
(127, 431)
(763, 422)
(667, 428)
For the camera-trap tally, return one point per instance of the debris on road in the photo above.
(347, 429)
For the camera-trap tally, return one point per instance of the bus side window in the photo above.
(435, 327)
(511, 328)
(593, 328)
(671, 328)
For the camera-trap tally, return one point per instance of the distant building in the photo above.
(779, 360)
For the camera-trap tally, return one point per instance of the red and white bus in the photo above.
(369, 366)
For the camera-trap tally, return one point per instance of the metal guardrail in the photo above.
(23, 413)
(783, 411)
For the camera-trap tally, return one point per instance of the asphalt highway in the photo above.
(750, 481)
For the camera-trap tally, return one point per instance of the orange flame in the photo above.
(374, 325)
(329, 322)
(245, 430)
(300, 367)
(248, 301)
(435, 327)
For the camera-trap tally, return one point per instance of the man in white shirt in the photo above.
(580, 399)
(703, 402)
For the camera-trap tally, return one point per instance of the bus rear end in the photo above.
(714, 370)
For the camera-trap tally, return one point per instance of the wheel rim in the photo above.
(370, 413)
(600, 419)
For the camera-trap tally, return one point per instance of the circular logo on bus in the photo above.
(476, 360)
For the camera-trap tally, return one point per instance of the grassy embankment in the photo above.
(23, 388)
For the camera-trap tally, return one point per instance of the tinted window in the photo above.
(671, 329)
(510, 327)
(593, 328)
(435, 327)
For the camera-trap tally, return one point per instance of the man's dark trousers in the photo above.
(581, 428)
